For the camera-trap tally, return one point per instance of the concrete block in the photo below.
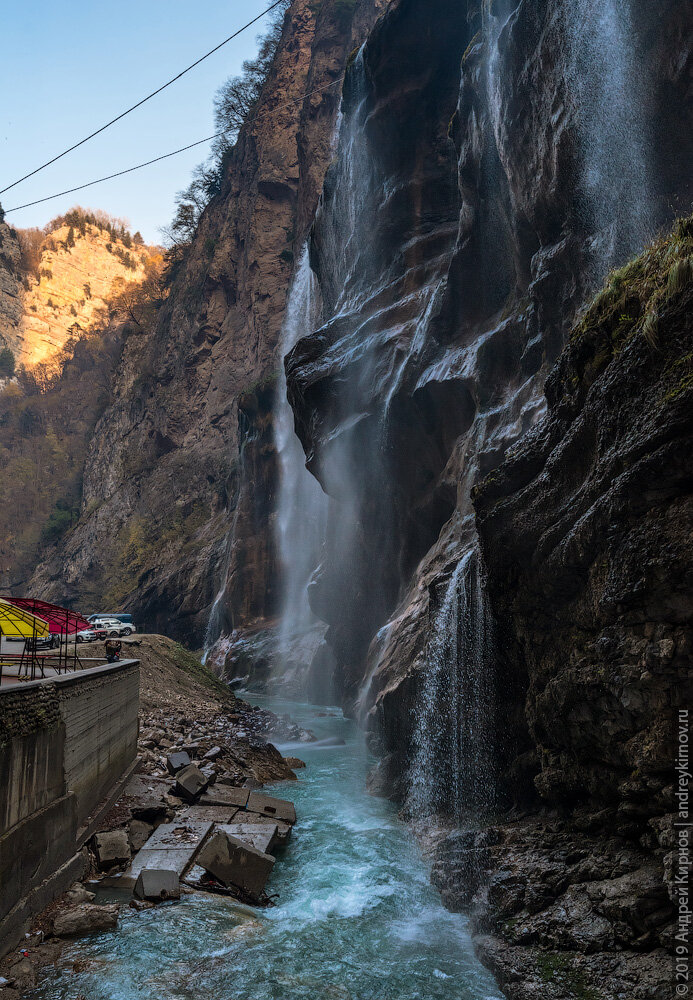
(176, 761)
(225, 796)
(234, 863)
(111, 848)
(283, 833)
(261, 836)
(145, 796)
(190, 783)
(209, 814)
(157, 884)
(171, 847)
(139, 833)
(280, 809)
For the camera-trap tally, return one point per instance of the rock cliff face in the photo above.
(179, 481)
(11, 290)
(495, 163)
(70, 293)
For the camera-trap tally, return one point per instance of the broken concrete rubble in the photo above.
(226, 796)
(261, 836)
(235, 863)
(171, 847)
(111, 848)
(276, 808)
(190, 783)
(139, 833)
(176, 761)
(157, 884)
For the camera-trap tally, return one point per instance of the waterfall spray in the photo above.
(302, 508)
(452, 764)
(608, 93)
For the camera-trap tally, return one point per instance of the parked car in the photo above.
(51, 641)
(86, 635)
(112, 627)
(121, 617)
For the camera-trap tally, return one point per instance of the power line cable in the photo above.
(174, 152)
(144, 99)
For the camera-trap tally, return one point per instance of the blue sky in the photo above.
(66, 68)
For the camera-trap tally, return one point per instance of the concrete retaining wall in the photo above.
(64, 743)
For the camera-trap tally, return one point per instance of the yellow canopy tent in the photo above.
(17, 621)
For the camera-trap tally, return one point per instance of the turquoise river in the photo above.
(356, 917)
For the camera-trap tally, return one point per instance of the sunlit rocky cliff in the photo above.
(67, 287)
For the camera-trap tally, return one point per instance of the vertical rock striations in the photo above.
(468, 216)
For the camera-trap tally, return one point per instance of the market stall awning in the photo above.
(61, 621)
(19, 621)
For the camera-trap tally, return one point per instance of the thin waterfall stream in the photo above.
(452, 764)
(302, 507)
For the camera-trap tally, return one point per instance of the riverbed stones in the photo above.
(295, 763)
(176, 761)
(87, 918)
(157, 885)
(79, 893)
(280, 809)
(190, 783)
(111, 848)
(235, 863)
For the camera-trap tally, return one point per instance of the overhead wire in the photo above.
(144, 99)
(175, 152)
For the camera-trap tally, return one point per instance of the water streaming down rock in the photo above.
(452, 767)
(220, 622)
(302, 506)
(608, 91)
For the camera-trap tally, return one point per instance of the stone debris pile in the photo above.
(187, 829)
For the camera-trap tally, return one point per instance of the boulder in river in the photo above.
(86, 918)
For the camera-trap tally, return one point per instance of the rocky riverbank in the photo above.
(184, 710)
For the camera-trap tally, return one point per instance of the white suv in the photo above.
(112, 627)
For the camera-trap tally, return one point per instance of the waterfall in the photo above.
(452, 766)
(302, 506)
(609, 97)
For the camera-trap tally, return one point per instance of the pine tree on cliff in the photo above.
(70, 241)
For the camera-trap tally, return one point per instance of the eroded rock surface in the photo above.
(184, 457)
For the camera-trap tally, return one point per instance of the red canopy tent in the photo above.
(61, 621)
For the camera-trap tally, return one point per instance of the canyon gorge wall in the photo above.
(502, 531)
(179, 483)
(504, 570)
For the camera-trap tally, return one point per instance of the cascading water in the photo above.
(302, 507)
(452, 764)
(220, 622)
(608, 92)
